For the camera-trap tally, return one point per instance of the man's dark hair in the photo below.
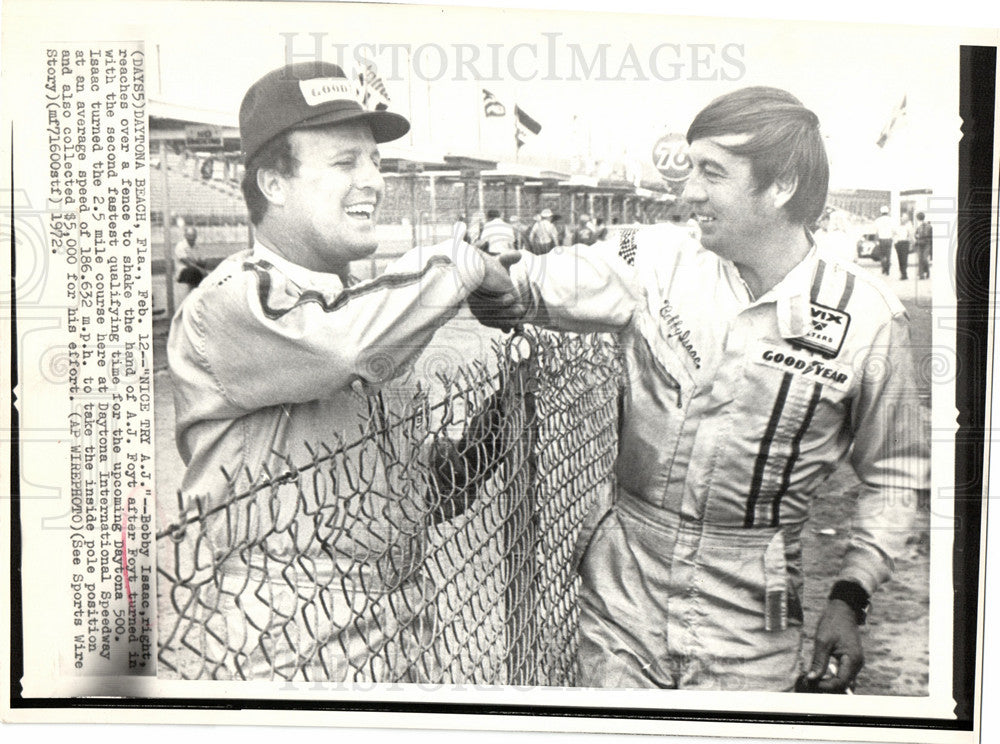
(920, 216)
(785, 143)
(276, 153)
(492, 214)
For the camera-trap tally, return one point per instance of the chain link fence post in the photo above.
(520, 533)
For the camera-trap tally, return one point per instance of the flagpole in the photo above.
(479, 120)
(409, 90)
(517, 143)
(430, 118)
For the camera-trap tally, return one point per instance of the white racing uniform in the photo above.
(735, 412)
(268, 355)
(269, 359)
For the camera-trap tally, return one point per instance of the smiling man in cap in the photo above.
(312, 182)
(280, 351)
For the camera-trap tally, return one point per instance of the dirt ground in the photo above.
(895, 638)
(896, 642)
(896, 635)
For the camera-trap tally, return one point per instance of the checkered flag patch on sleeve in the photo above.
(626, 246)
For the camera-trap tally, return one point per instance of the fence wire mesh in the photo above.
(437, 548)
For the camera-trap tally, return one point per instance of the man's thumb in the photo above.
(509, 258)
(821, 657)
(458, 232)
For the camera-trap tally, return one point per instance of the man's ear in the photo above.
(271, 185)
(783, 190)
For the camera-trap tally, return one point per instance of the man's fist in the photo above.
(459, 469)
(496, 302)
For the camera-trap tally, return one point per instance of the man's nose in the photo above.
(368, 176)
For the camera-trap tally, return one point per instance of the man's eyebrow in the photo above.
(353, 150)
(337, 152)
(706, 162)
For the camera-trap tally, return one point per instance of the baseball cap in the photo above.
(308, 94)
(546, 214)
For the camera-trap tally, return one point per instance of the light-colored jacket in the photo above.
(737, 410)
(266, 355)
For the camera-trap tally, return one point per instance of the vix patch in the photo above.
(828, 329)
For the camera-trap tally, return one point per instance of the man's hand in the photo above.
(496, 302)
(459, 469)
(837, 636)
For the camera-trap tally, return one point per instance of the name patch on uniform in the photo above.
(827, 330)
(324, 90)
(676, 330)
(835, 375)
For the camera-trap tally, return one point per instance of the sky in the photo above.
(205, 55)
(852, 76)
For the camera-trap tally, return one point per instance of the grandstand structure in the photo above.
(856, 209)
(197, 168)
(863, 203)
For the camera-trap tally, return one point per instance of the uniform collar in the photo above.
(299, 274)
(791, 295)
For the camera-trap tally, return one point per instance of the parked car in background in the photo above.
(867, 246)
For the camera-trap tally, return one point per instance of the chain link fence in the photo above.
(437, 548)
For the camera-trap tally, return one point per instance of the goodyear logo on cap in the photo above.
(835, 375)
(324, 90)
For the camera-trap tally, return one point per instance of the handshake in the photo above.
(496, 302)
(458, 470)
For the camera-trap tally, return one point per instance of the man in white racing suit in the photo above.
(756, 363)
(280, 351)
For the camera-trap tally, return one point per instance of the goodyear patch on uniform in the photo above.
(778, 356)
(827, 330)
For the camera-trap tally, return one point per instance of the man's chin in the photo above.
(363, 249)
(718, 247)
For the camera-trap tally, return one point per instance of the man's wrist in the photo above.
(854, 596)
(490, 294)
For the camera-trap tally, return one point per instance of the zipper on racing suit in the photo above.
(672, 384)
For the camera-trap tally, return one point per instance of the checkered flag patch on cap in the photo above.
(626, 246)
(370, 89)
